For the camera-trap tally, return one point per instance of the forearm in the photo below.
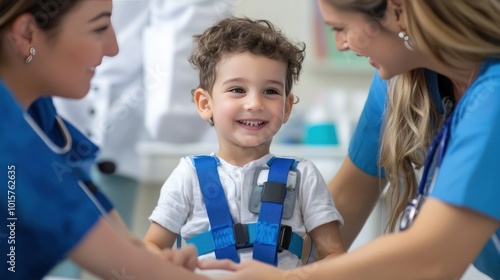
(118, 223)
(152, 247)
(158, 238)
(107, 254)
(355, 194)
(328, 241)
(441, 243)
(374, 261)
(354, 219)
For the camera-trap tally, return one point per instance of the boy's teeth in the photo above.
(251, 123)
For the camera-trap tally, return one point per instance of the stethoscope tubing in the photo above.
(440, 142)
(432, 161)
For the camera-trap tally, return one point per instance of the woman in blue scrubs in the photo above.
(50, 209)
(433, 108)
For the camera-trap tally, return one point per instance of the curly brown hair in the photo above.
(238, 35)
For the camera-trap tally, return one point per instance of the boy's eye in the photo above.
(237, 90)
(271, 91)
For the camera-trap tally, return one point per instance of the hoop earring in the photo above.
(296, 100)
(32, 53)
(406, 39)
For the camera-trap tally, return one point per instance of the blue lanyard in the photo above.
(433, 161)
(435, 156)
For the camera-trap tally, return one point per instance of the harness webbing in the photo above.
(271, 210)
(221, 222)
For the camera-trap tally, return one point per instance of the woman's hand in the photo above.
(186, 257)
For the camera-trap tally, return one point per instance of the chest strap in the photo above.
(244, 235)
(221, 222)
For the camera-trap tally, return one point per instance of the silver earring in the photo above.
(32, 53)
(406, 39)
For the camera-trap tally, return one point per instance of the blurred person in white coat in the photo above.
(143, 93)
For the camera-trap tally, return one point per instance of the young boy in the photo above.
(244, 207)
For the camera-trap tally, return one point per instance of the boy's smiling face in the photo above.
(248, 104)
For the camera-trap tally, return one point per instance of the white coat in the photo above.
(144, 93)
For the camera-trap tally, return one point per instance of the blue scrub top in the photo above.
(473, 148)
(44, 211)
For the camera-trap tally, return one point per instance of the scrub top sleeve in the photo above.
(365, 142)
(104, 201)
(49, 213)
(52, 212)
(84, 153)
(474, 149)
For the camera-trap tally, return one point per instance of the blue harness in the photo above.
(267, 236)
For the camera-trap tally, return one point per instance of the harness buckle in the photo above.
(284, 238)
(240, 235)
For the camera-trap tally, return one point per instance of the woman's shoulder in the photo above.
(488, 74)
(480, 104)
(491, 66)
(486, 87)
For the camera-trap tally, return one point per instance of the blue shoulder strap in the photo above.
(271, 210)
(221, 222)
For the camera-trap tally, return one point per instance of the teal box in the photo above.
(320, 134)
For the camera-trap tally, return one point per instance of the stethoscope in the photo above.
(87, 186)
(433, 161)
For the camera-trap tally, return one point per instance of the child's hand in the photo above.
(186, 257)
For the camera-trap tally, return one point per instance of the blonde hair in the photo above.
(411, 119)
(451, 31)
(455, 31)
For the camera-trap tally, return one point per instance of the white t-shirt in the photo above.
(181, 208)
